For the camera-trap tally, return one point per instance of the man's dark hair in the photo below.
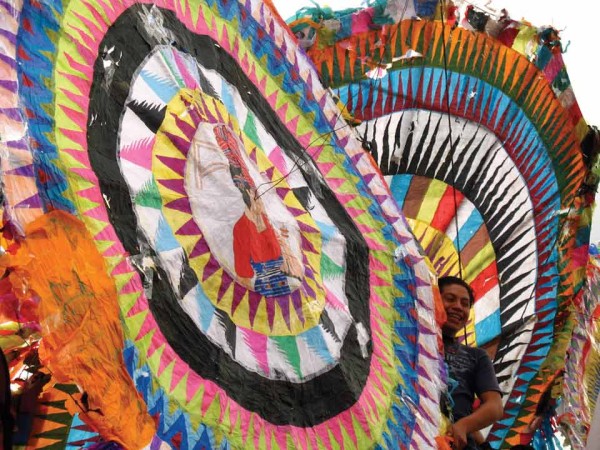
(448, 280)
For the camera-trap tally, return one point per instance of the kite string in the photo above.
(535, 284)
(448, 115)
(552, 249)
(299, 165)
(453, 174)
(556, 241)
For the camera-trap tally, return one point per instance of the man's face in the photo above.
(457, 305)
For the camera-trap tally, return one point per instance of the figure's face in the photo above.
(457, 305)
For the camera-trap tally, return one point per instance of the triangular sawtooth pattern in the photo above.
(19, 181)
(567, 187)
(329, 432)
(171, 423)
(81, 435)
(527, 70)
(52, 420)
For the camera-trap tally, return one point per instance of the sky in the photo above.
(576, 20)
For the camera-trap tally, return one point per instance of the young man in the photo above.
(470, 369)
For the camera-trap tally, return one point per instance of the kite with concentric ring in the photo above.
(228, 266)
(483, 151)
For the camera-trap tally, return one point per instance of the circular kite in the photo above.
(269, 292)
(487, 166)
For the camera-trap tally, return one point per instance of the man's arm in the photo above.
(489, 411)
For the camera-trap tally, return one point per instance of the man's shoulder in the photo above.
(483, 368)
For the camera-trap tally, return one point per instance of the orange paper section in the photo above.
(82, 337)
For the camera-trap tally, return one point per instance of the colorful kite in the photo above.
(210, 258)
(483, 152)
(582, 369)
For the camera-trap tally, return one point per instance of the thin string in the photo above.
(534, 287)
(451, 140)
(556, 242)
(299, 165)
(448, 114)
(453, 169)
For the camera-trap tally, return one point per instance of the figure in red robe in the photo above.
(263, 259)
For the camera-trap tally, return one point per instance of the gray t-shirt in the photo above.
(472, 372)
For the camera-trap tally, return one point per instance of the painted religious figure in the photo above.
(261, 253)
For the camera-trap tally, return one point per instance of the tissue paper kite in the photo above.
(188, 212)
(484, 151)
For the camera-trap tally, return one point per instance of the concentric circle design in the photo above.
(179, 122)
(191, 114)
(205, 226)
(463, 109)
(241, 322)
(466, 251)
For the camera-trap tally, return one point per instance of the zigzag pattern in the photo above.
(174, 425)
(55, 428)
(520, 83)
(528, 104)
(52, 422)
(306, 110)
(199, 253)
(18, 175)
(37, 48)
